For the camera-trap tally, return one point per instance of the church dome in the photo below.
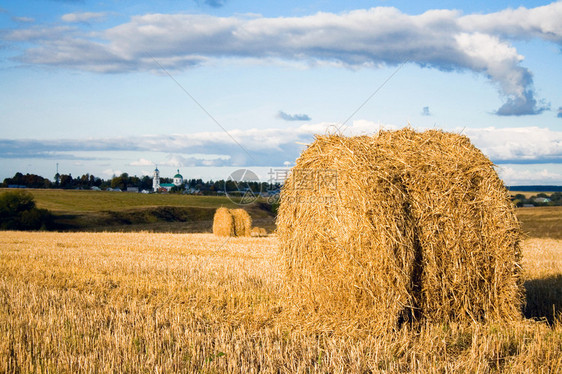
(178, 179)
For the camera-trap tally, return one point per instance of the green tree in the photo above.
(66, 181)
(28, 180)
(120, 182)
(179, 188)
(18, 212)
(146, 183)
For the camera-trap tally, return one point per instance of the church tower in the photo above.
(156, 180)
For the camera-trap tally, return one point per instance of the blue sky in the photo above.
(207, 87)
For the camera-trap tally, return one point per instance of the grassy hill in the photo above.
(77, 210)
(81, 210)
(95, 201)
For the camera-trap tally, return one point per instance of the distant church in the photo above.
(156, 185)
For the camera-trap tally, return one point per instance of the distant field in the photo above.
(84, 210)
(197, 303)
(95, 201)
(529, 194)
(541, 222)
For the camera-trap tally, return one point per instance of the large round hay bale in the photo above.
(398, 226)
(242, 222)
(223, 223)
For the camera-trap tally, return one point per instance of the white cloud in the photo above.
(111, 172)
(142, 162)
(518, 145)
(23, 19)
(441, 39)
(177, 160)
(541, 22)
(517, 175)
(83, 17)
(40, 34)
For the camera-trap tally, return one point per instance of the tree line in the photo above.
(125, 181)
(540, 199)
(67, 181)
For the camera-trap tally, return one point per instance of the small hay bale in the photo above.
(258, 232)
(223, 223)
(242, 222)
(401, 226)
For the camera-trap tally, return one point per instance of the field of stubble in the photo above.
(149, 302)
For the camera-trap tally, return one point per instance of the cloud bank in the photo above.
(512, 176)
(525, 145)
(439, 39)
(270, 147)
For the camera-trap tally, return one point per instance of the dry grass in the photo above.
(397, 227)
(145, 302)
(128, 302)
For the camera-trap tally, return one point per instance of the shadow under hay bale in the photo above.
(401, 226)
(544, 298)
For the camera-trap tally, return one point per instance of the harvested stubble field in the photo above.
(151, 302)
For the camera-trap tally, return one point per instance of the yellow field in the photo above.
(146, 302)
